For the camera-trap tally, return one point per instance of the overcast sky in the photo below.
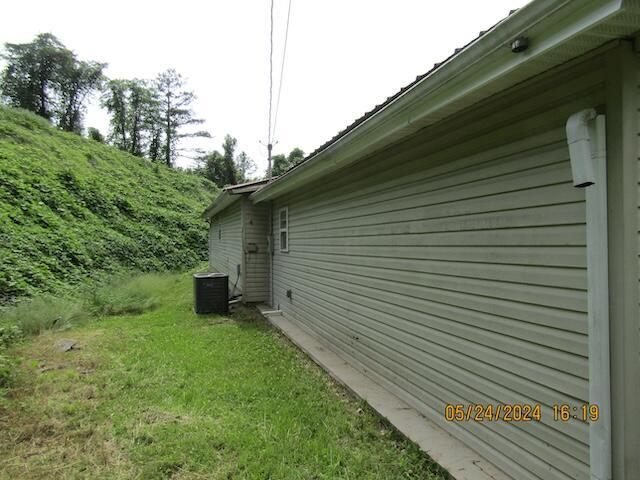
(343, 56)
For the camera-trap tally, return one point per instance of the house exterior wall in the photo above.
(623, 102)
(255, 220)
(633, 444)
(451, 269)
(225, 245)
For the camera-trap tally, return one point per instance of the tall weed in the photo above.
(42, 313)
(131, 294)
(122, 294)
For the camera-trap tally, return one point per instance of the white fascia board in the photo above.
(469, 74)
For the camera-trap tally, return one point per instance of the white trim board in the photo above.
(458, 459)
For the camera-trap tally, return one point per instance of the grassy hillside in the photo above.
(72, 208)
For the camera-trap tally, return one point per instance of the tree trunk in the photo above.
(134, 136)
(43, 95)
(167, 152)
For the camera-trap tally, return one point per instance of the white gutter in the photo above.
(587, 150)
(482, 69)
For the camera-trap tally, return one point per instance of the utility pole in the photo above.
(269, 148)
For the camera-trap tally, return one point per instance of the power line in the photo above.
(272, 130)
(284, 55)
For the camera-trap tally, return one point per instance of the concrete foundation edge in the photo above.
(458, 459)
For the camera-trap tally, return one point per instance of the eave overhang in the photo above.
(222, 201)
(559, 31)
(230, 194)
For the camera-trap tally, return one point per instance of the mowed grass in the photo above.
(168, 394)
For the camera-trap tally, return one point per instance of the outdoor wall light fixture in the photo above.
(520, 44)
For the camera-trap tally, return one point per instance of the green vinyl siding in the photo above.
(637, 109)
(256, 252)
(225, 245)
(452, 269)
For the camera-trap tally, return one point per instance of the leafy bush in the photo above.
(131, 294)
(9, 334)
(71, 208)
(95, 134)
(45, 312)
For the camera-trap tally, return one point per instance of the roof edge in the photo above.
(230, 194)
(247, 187)
(481, 63)
(222, 201)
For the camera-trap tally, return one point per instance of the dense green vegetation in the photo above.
(169, 394)
(72, 208)
(45, 77)
(148, 118)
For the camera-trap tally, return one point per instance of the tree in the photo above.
(133, 106)
(31, 77)
(114, 99)
(155, 142)
(211, 166)
(47, 78)
(282, 163)
(279, 164)
(78, 79)
(229, 164)
(225, 168)
(143, 116)
(174, 113)
(296, 156)
(94, 134)
(245, 167)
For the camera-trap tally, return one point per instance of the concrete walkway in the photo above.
(458, 459)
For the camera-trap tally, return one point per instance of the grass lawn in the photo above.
(168, 394)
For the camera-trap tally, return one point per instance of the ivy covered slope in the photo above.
(71, 208)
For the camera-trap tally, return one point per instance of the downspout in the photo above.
(270, 242)
(587, 151)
